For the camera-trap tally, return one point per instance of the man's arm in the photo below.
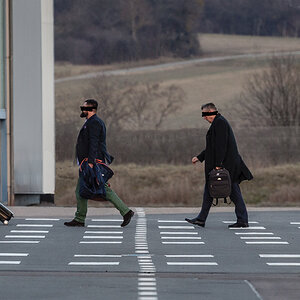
(200, 157)
(94, 130)
(221, 139)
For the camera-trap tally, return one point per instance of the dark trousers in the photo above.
(235, 196)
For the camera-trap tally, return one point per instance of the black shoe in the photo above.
(238, 225)
(74, 223)
(196, 221)
(127, 218)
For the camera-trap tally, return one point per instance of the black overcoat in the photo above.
(221, 151)
(91, 141)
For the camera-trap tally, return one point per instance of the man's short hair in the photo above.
(209, 106)
(92, 102)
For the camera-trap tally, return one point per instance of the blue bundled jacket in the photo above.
(92, 180)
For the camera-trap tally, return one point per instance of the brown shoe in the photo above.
(127, 218)
(74, 223)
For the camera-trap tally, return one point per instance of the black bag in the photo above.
(5, 214)
(219, 184)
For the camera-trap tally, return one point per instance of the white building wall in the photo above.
(33, 97)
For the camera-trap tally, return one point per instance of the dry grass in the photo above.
(170, 185)
(220, 82)
(220, 44)
(65, 69)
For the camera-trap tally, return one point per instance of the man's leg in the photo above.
(112, 197)
(240, 207)
(206, 205)
(82, 205)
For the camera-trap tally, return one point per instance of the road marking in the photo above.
(189, 255)
(280, 255)
(107, 220)
(248, 228)
(94, 263)
(253, 290)
(148, 293)
(170, 221)
(260, 238)
(96, 255)
(231, 222)
(10, 262)
(14, 254)
(183, 243)
(146, 279)
(34, 225)
(295, 223)
(145, 262)
(19, 242)
(104, 232)
(29, 231)
(104, 226)
(25, 236)
(181, 237)
(179, 232)
(41, 219)
(101, 237)
(192, 263)
(100, 242)
(284, 264)
(253, 233)
(267, 243)
(176, 227)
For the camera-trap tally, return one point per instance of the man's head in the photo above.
(209, 112)
(89, 108)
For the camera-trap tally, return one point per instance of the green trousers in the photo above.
(111, 196)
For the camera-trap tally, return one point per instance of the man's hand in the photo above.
(91, 165)
(218, 168)
(194, 160)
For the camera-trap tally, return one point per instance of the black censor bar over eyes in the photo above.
(209, 113)
(87, 108)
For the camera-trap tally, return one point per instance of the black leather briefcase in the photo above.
(5, 214)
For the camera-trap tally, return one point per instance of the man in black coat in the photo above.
(91, 144)
(221, 152)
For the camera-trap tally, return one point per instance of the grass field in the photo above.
(220, 82)
(170, 185)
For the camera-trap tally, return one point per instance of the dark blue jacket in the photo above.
(91, 141)
(92, 180)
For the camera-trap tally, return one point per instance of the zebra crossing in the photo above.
(183, 235)
(256, 235)
(175, 236)
(99, 233)
(31, 232)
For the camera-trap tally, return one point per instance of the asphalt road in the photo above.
(157, 256)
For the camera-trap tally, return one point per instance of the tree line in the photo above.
(105, 31)
(251, 17)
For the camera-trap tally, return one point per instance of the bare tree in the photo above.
(273, 95)
(130, 105)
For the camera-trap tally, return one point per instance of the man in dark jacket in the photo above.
(221, 151)
(91, 144)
